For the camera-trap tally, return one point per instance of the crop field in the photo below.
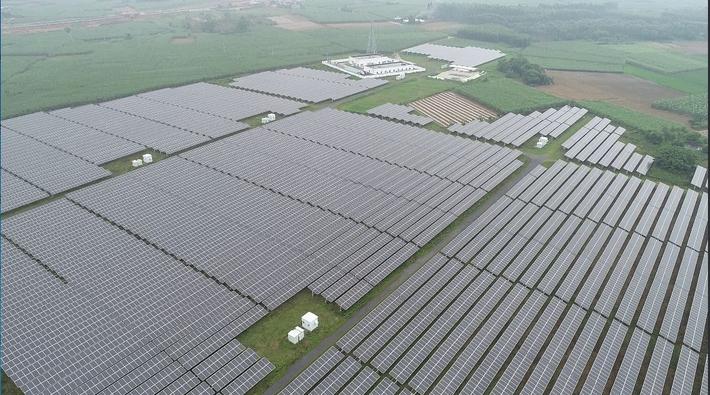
(85, 65)
(334, 11)
(628, 118)
(695, 81)
(660, 59)
(575, 55)
(506, 95)
(691, 104)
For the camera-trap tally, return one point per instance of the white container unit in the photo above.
(147, 158)
(265, 120)
(309, 321)
(296, 334)
(136, 163)
(271, 116)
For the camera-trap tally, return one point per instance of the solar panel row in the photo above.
(44, 166)
(597, 143)
(87, 143)
(230, 103)
(516, 129)
(399, 112)
(700, 178)
(532, 298)
(17, 192)
(306, 84)
(89, 308)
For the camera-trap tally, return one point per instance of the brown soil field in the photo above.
(625, 90)
(294, 22)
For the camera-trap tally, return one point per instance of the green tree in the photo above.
(676, 159)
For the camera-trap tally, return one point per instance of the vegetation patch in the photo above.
(521, 69)
(695, 81)
(694, 105)
(507, 95)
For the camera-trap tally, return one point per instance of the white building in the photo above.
(373, 66)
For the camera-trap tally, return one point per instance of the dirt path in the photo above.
(625, 90)
(297, 367)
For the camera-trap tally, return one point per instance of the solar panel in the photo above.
(400, 113)
(17, 192)
(45, 167)
(79, 140)
(466, 56)
(306, 84)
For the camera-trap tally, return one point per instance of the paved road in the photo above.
(402, 276)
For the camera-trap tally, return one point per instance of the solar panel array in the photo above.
(462, 56)
(159, 136)
(334, 220)
(448, 107)
(89, 308)
(516, 129)
(597, 143)
(306, 84)
(570, 283)
(44, 166)
(399, 112)
(700, 178)
(17, 192)
(182, 118)
(89, 144)
(230, 103)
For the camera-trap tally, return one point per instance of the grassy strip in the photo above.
(552, 151)
(8, 386)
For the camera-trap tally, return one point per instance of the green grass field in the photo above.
(89, 65)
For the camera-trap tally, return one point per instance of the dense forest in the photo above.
(598, 22)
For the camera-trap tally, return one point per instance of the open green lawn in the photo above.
(89, 65)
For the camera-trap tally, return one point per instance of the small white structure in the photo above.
(136, 162)
(541, 142)
(147, 158)
(265, 120)
(373, 66)
(309, 321)
(271, 116)
(296, 334)
(400, 76)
